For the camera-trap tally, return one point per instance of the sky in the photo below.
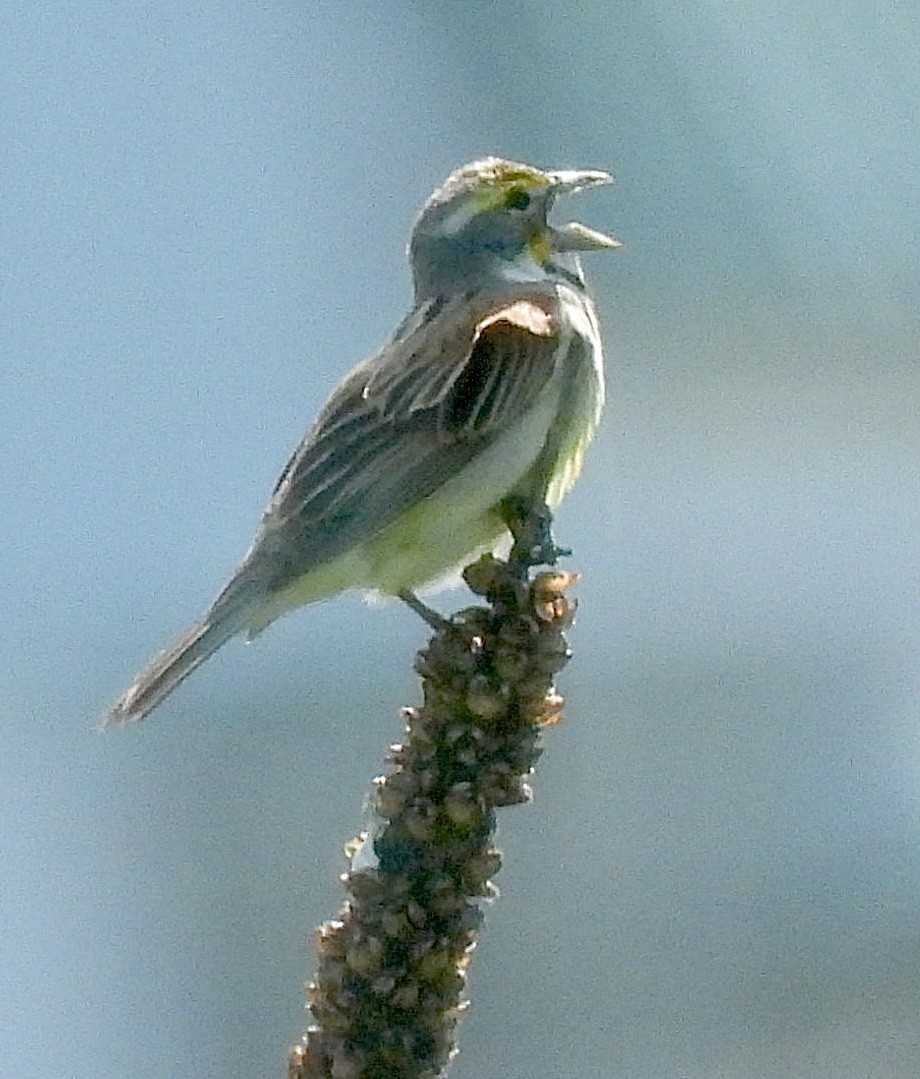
(203, 221)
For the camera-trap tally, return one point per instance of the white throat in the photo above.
(523, 270)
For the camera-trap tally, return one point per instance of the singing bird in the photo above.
(487, 395)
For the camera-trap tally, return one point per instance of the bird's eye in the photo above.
(518, 200)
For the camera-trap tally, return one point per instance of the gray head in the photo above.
(488, 222)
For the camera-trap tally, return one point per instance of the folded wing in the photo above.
(401, 425)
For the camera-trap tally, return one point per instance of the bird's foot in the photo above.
(530, 524)
(426, 613)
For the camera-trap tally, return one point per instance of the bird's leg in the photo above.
(426, 613)
(530, 524)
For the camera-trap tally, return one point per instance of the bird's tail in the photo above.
(173, 665)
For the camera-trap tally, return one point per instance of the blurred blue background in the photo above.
(202, 221)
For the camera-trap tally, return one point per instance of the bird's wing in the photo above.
(404, 422)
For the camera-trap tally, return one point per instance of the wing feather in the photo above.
(403, 423)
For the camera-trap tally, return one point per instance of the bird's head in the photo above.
(488, 222)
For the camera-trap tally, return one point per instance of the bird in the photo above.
(485, 398)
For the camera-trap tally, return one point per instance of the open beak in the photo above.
(574, 236)
(568, 180)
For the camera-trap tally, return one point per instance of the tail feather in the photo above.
(171, 666)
